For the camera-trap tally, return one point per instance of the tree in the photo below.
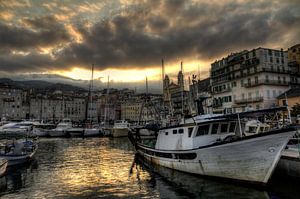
(295, 110)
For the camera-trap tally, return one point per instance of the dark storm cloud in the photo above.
(144, 33)
(32, 62)
(36, 32)
(181, 30)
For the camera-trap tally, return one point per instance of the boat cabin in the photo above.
(255, 127)
(121, 124)
(191, 136)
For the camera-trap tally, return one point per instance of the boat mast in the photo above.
(91, 95)
(182, 89)
(106, 100)
(288, 109)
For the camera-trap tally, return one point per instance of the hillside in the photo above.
(40, 85)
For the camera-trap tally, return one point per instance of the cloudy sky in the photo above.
(128, 38)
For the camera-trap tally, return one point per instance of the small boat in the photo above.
(42, 130)
(216, 147)
(120, 129)
(3, 165)
(61, 129)
(18, 151)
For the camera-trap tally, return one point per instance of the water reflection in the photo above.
(174, 184)
(108, 168)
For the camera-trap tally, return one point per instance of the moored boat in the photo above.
(42, 130)
(18, 151)
(61, 129)
(216, 147)
(120, 129)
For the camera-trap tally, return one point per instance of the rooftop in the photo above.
(293, 92)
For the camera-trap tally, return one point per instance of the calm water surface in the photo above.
(108, 168)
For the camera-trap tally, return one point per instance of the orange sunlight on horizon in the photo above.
(137, 75)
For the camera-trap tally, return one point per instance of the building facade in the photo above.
(14, 103)
(56, 107)
(294, 64)
(200, 96)
(249, 80)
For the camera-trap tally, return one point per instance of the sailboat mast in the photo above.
(106, 101)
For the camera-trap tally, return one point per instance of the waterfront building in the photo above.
(249, 80)
(290, 97)
(294, 64)
(109, 104)
(55, 107)
(175, 96)
(13, 103)
(137, 109)
(200, 96)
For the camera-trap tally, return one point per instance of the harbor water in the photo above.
(108, 168)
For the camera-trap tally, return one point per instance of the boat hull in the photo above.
(120, 132)
(3, 166)
(289, 164)
(252, 160)
(40, 132)
(57, 133)
(76, 132)
(18, 159)
(91, 132)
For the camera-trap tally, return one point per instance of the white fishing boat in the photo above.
(18, 128)
(42, 130)
(3, 165)
(18, 151)
(120, 128)
(61, 128)
(216, 147)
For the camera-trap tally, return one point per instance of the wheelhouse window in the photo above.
(232, 127)
(224, 128)
(203, 130)
(190, 131)
(180, 131)
(215, 128)
(175, 131)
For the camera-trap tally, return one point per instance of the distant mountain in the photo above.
(42, 81)
(40, 85)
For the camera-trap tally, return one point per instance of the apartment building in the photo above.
(200, 96)
(138, 109)
(294, 64)
(249, 80)
(13, 103)
(56, 107)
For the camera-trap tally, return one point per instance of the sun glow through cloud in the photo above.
(131, 75)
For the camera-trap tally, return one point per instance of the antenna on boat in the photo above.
(182, 88)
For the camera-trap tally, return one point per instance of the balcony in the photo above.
(248, 100)
(217, 105)
(228, 89)
(276, 70)
(266, 82)
(249, 63)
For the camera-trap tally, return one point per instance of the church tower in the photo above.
(180, 78)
